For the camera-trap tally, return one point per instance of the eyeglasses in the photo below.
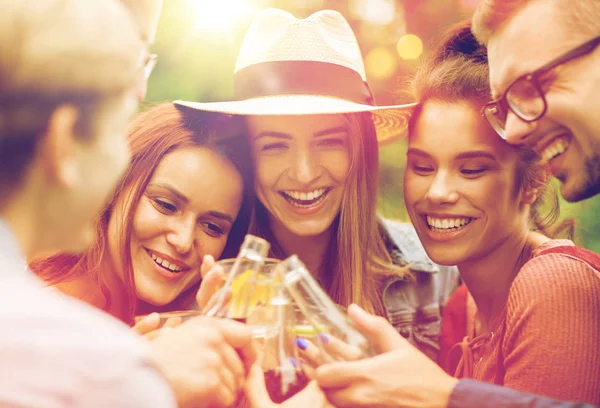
(525, 96)
(149, 65)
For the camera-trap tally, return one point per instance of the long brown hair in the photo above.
(152, 135)
(457, 71)
(356, 262)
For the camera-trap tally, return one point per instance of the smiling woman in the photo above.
(170, 210)
(476, 202)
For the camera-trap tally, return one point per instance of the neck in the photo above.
(490, 276)
(311, 249)
(112, 278)
(21, 217)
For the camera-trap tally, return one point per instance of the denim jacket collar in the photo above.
(405, 248)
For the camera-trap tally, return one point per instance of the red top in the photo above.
(547, 338)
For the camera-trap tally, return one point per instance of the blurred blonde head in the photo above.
(145, 13)
(68, 70)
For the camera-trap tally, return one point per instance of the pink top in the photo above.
(56, 351)
(547, 338)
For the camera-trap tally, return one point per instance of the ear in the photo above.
(59, 147)
(529, 195)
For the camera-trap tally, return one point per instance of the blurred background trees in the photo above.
(198, 41)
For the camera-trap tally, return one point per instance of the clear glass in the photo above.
(257, 288)
(329, 322)
(279, 355)
(238, 297)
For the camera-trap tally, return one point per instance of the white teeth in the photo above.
(303, 196)
(164, 263)
(447, 223)
(555, 148)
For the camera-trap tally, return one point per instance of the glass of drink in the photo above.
(334, 333)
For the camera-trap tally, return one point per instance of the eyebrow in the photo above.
(221, 216)
(474, 154)
(181, 197)
(418, 152)
(172, 190)
(270, 133)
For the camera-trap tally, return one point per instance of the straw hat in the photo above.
(290, 66)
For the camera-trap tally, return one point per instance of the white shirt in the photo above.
(56, 351)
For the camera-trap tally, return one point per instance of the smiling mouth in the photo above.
(445, 225)
(555, 148)
(164, 264)
(305, 199)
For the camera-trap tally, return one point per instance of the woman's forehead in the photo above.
(295, 124)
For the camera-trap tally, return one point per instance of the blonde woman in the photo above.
(314, 132)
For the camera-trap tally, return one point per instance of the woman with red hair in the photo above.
(170, 214)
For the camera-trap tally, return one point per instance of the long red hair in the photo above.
(152, 135)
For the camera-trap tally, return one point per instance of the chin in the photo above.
(574, 190)
(447, 255)
(153, 299)
(309, 229)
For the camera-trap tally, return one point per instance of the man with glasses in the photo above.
(544, 58)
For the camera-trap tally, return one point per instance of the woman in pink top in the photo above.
(477, 202)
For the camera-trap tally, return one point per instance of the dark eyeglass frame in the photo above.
(534, 79)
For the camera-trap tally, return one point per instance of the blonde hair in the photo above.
(579, 15)
(145, 13)
(55, 52)
(357, 262)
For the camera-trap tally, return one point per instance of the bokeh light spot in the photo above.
(380, 63)
(410, 47)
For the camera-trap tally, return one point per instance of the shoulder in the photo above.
(58, 349)
(441, 279)
(51, 323)
(563, 267)
(554, 280)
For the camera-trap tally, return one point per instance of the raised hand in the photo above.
(399, 377)
(206, 360)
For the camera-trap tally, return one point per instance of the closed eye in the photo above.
(421, 170)
(473, 171)
(213, 229)
(164, 206)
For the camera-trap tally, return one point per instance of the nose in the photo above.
(182, 235)
(517, 131)
(442, 190)
(306, 167)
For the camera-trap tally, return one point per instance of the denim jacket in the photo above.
(414, 307)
